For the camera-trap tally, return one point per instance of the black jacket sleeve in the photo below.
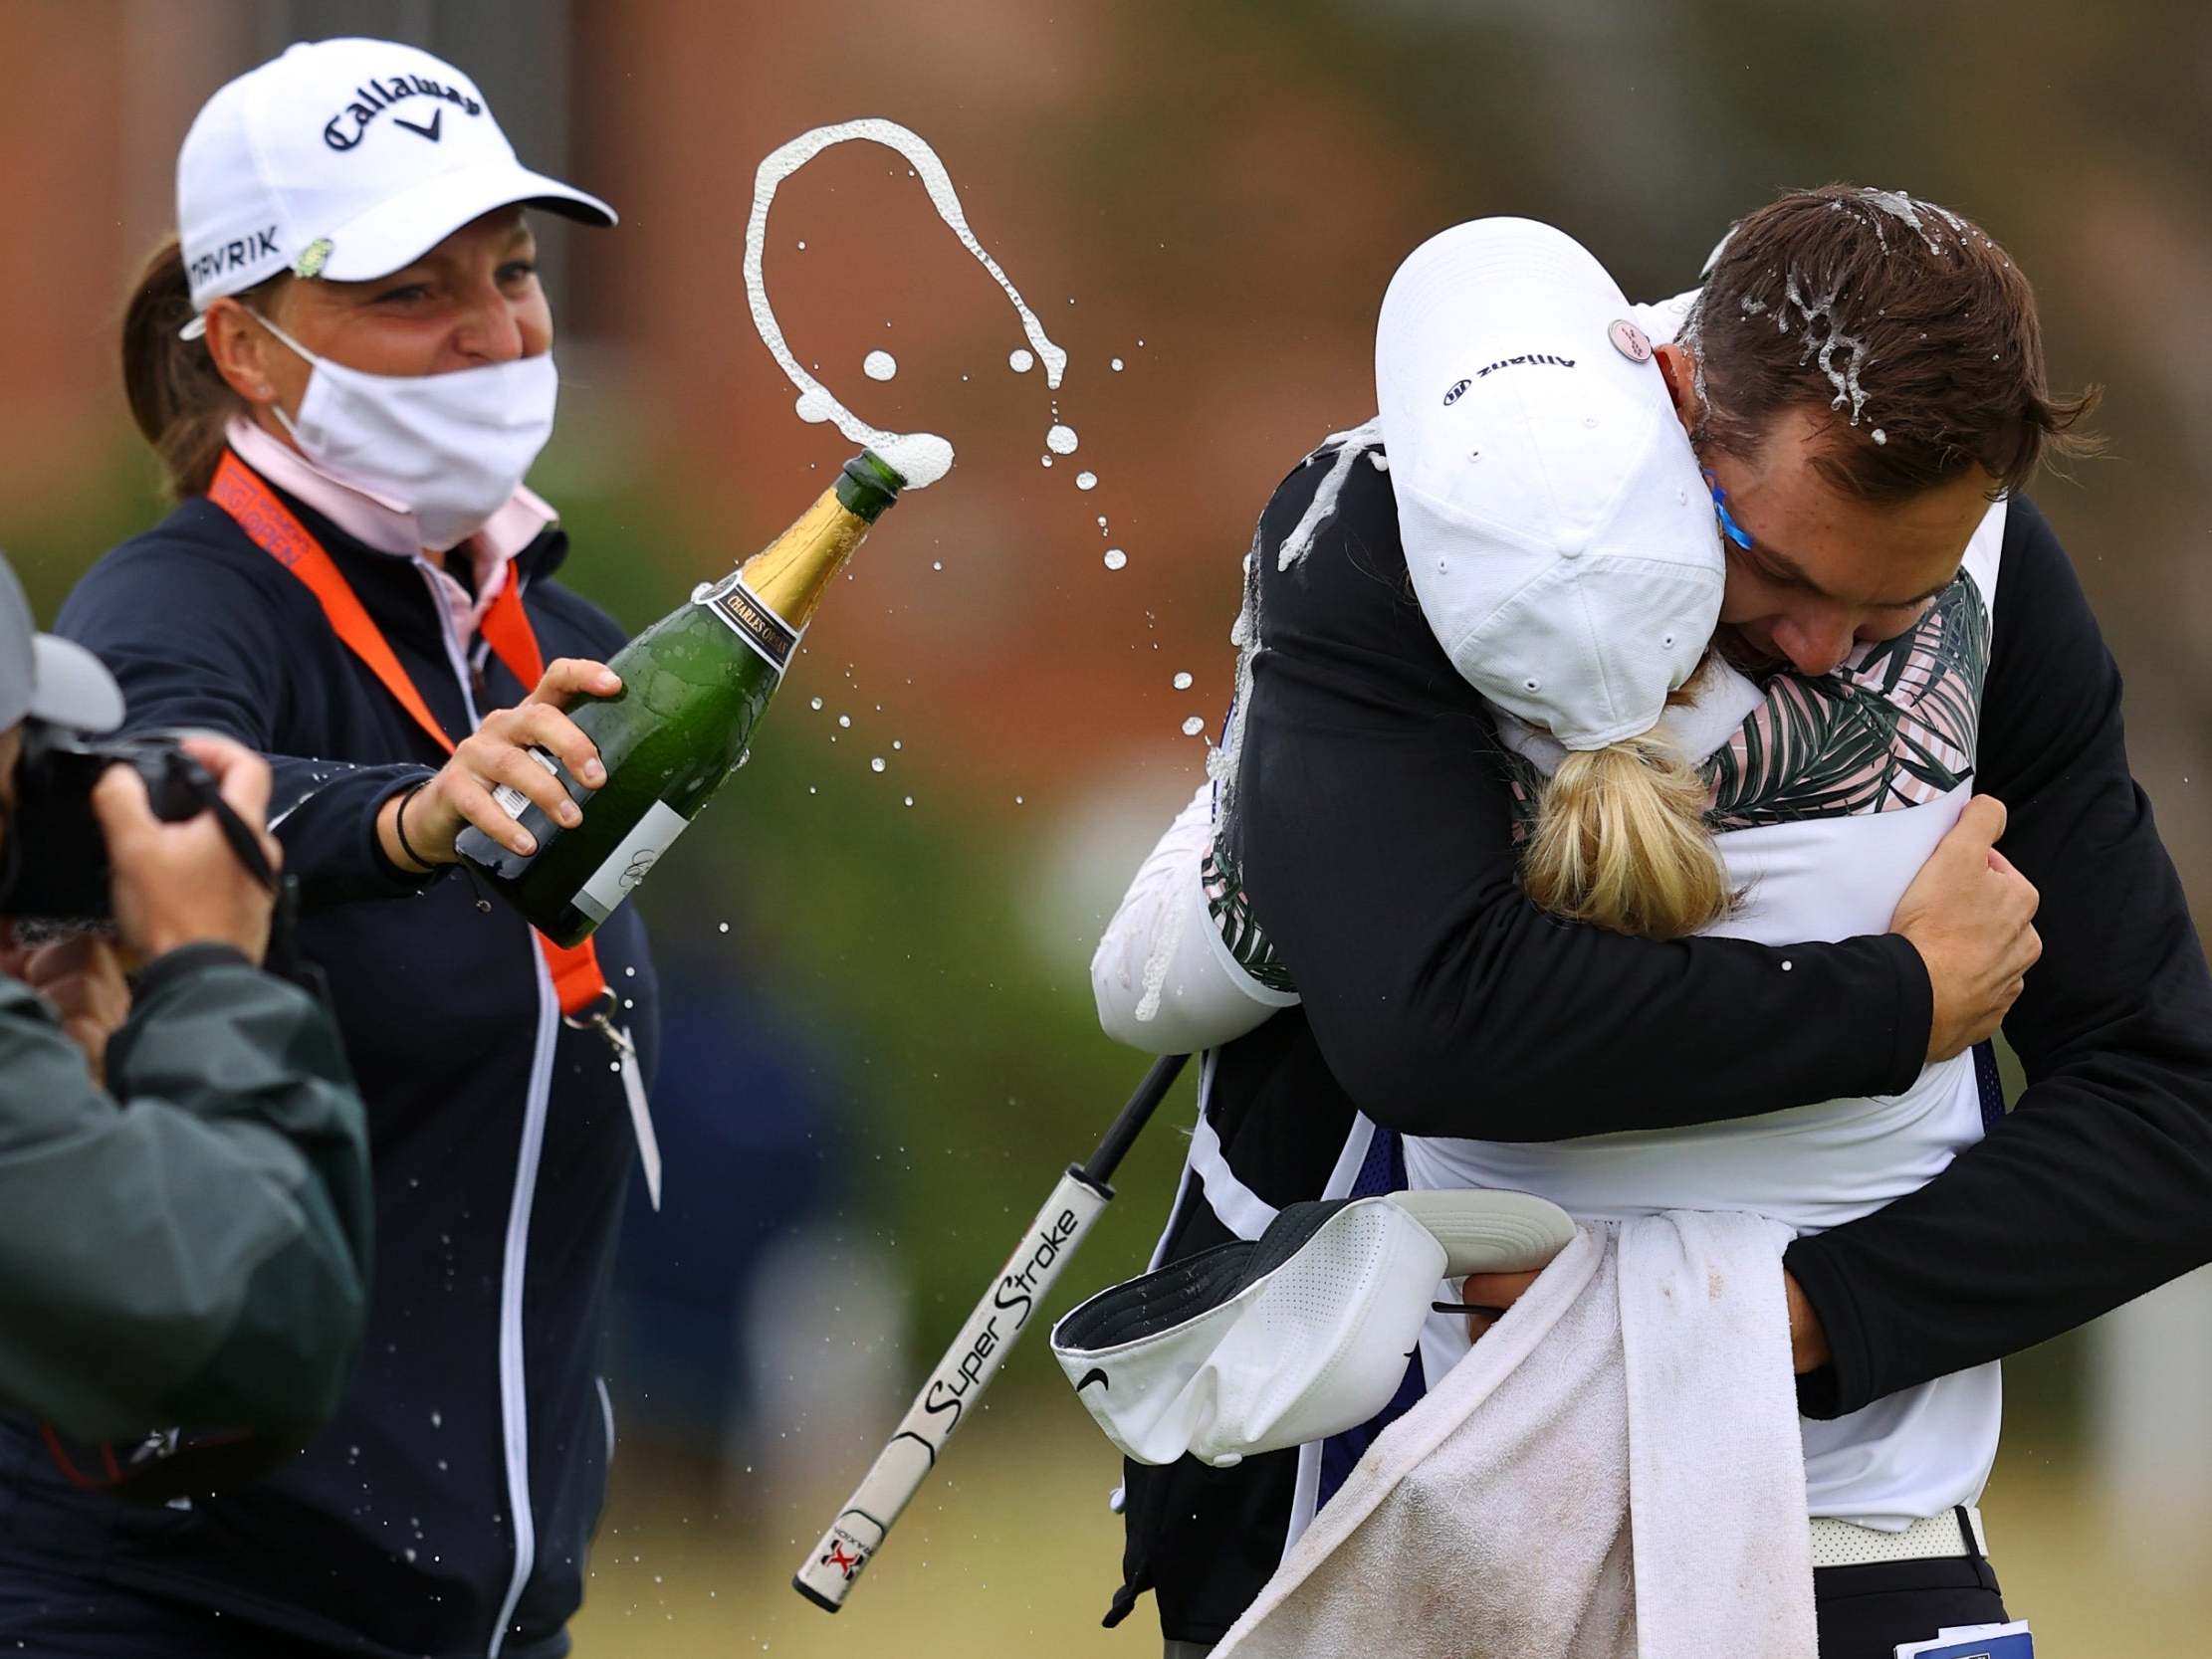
(2098, 1185)
(194, 1248)
(1373, 823)
(201, 646)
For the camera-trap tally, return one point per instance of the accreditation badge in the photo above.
(1974, 1641)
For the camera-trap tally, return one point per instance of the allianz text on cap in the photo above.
(1559, 536)
(345, 159)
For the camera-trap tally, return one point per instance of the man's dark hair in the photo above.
(1905, 319)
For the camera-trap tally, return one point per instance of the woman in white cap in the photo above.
(345, 366)
(1565, 574)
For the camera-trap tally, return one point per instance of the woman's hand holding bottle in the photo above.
(417, 827)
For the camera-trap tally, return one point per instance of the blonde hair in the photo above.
(1621, 842)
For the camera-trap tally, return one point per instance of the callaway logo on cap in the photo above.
(372, 97)
(345, 159)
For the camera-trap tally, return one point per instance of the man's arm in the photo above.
(1374, 826)
(2098, 1185)
(195, 1247)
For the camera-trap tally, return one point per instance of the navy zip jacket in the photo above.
(446, 1510)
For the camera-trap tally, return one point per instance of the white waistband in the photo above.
(1846, 1543)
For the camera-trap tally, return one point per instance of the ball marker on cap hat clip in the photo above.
(1629, 340)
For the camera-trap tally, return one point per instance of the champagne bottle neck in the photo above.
(868, 484)
(792, 573)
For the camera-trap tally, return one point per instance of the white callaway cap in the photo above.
(1557, 532)
(1300, 1334)
(345, 159)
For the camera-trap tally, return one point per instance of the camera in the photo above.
(58, 853)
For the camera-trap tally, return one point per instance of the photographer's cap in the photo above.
(1557, 532)
(1297, 1335)
(345, 159)
(46, 678)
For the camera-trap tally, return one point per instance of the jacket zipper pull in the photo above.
(601, 1021)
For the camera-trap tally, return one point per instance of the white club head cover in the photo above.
(1300, 1334)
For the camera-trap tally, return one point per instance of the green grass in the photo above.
(1012, 1551)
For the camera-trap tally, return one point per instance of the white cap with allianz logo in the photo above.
(1557, 530)
(345, 159)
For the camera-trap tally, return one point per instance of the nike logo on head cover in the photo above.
(1095, 1375)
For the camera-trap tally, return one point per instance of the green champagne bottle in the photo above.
(694, 685)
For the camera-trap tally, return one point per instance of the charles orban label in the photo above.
(752, 622)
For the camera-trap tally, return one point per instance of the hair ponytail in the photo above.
(179, 401)
(1621, 842)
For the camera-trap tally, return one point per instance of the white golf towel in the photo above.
(1614, 1471)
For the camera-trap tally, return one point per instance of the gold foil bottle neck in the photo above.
(790, 574)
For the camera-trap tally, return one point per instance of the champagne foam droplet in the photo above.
(1193, 727)
(928, 457)
(1182, 682)
(1020, 361)
(879, 365)
(1117, 365)
(1115, 558)
(920, 458)
(1086, 481)
(876, 764)
(1062, 440)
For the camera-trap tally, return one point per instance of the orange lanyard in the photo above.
(239, 491)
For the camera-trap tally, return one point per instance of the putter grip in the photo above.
(832, 1566)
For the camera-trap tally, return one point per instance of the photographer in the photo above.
(189, 1243)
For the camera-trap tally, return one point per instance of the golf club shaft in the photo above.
(834, 1565)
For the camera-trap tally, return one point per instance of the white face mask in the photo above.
(451, 448)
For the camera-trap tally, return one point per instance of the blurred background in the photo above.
(880, 1046)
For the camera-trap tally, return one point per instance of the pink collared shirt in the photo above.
(382, 524)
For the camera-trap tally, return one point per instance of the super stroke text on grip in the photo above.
(1016, 1292)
